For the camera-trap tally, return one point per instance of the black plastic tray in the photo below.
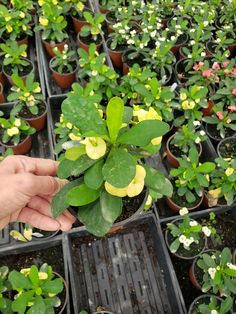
(127, 272)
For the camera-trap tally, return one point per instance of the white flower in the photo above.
(189, 56)
(183, 211)
(212, 272)
(158, 44)
(217, 40)
(231, 266)
(141, 46)
(172, 38)
(192, 42)
(205, 23)
(198, 140)
(203, 54)
(192, 30)
(202, 133)
(214, 312)
(130, 41)
(153, 34)
(196, 123)
(182, 238)
(121, 31)
(206, 231)
(193, 223)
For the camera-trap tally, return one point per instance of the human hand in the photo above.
(27, 186)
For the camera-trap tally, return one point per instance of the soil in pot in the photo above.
(182, 75)
(84, 42)
(52, 256)
(64, 79)
(37, 122)
(26, 70)
(116, 55)
(181, 200)
(127, 63)
(227, 148)
(203, 299)
(22, 148)
(214, 134)
(79, 21)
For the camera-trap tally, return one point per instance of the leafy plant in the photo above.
(14, 129)
(106, 161)
(219, 272)
(5, 287)
(94, 27)
(214, 304)
(64, 62)
(191, 176)
(14, 57)
(121, 34)
(37, 289)
(27, 95)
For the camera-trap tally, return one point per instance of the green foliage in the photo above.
(63, 61)
(220, 306)
(94, 27)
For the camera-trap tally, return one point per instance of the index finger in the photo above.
(38, 166)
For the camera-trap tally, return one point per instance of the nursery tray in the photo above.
(126, 272)
(41, 141)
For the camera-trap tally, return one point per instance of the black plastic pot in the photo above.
(128, 272)
(226, 154)
(205, 297)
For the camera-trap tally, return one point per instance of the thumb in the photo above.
(46, 185)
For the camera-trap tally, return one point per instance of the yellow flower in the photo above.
(7, 18)
(9, 28)
(229, 171)
(37, 89)
(142, 114)
(40, 2)
(186, 105)
(51, 295)
(100, 112)
(55, 2)
(95, 147)
(94, 72)
(69, 125)
(24, 54)
(156, 140)
(17, 122)
(214, 193)
(13, 131)
(25, 271)
(22, 14)
(42, 275)
(61, 118)
(26, 94)
(137, 184)
(24, 27)
(43, 21)
(80, 6)
(74, 137)
(120, 192)
(183, 96)
(148, 202)
(31, 100)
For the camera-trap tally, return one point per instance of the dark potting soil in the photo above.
(138, 60)
(212, 130)
(118, 47)
(26, 114)
(25, 70)
(177, 152)
(10, 143)
(111, 17)
(52, 256)
(65, 70)
(181, 200)
(89, 39)
(228, 149)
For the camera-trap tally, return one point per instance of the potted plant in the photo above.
(227, 148)
(15, 134)
(183, 140)
(213, 271)
(185, 237)
(91, 32)
(52, 24)
(223, 43)
(190, 179)
(30, 102)
(5, 288)
(64, 67)
(77, 10)
(15, 61)
(106, 163)
(222, 189)
(209, 303)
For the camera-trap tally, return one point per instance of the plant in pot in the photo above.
(64, 67)
(185, 237)
(190, 179)
(92, 32)
(5, 288)
(222, 189)
(52, 25)
(192, 101)
(15, 134)
(15, 61)
(15, 25)
(77, 10)
(183, 140)
(106, 164)
(166, 10)
(209, 303)
(227, 148)
(213, 271)
(30, 102)
(221, 43)
(37, 290)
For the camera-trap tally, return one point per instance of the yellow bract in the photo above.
(186, 105)
(43, 21)
(74, 137)
(229, 171)
(156, 140)
(183, 96)
(25, 271)
(120, 192)
(17, 122)
(9, 28)
(42, 275)
(13, 131)
(95, 147)
(37, 89)
(80, 6)
(142, 114)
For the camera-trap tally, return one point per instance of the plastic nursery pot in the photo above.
(202, 299)
(37, 122)
(22, 148)
(110, 21)
(193, 271)
(179, 68)
(185, 254)
(210, 131)
(166, 19)
(172, 160)
(103, 312)
(78, 23)
(85, 46)
(181, 42)
(176, 208)
(115, 55)
(64, 80)
(50, 45)
(127, 63)
(227, 148)
(62, 310)
(24, 76)
(23, 41)
(2, 97)
(210, 51)
(40, 235)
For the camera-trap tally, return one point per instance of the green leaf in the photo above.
(33, 275)
(59, 202)
(39, 306)
(226, 305)
(226, 256)
(143, 132)
(93, 177)
(75, 152)
(111, 206)
(203, 182)
(18, 280)
(206, 167)
(53, 286)
(92, 218)
(230, 284)
(174, 246)
(82, 195)
(69, 168)
(114, 115)
(120, 168)
(19, 305)
(208, 260)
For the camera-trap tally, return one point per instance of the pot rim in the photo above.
(81, 41)
(203, 296)
(66, 290)
(189, 208)
(114, 51)
(19, 144)
(37, 117)
(23, 76)
(63, 74)
(222, 141)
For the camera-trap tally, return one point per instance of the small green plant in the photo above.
(37, 289)
(27, 95)
(14, 58)
(94, 27)
(14, 130)
(121, 34)
(191, 176)
(5, 286)
(216, 306)
(219, 272)
(64, 62)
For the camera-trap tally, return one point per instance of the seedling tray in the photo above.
(126, 272)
